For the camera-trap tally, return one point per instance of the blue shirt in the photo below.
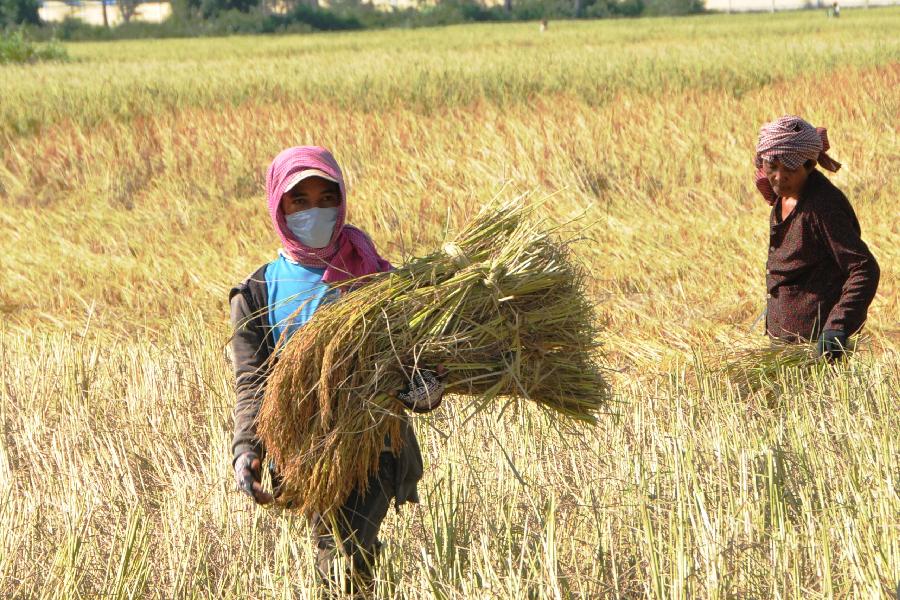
(293, 288)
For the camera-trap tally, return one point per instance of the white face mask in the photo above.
(313, 226)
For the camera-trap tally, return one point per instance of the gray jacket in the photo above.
(252, 348)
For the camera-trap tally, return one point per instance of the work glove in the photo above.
(832, 345)
(247, 474)
(424, 391)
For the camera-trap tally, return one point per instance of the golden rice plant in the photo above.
(502, 307)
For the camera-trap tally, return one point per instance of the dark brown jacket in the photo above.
(251, 348)
(819, 274)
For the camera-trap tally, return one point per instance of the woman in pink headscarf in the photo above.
(820, 275)
(307, 203)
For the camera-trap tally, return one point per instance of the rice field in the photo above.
(131, 199)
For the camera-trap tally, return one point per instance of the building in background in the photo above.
(91, 11)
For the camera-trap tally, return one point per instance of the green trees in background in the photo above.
(15, 48)
(441, 13)
(207, 9)
(19, 12)
(601, 9)
(127, 8)
(194, 18)
(576, 9)
(672, 7)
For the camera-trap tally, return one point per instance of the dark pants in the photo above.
(347, 540)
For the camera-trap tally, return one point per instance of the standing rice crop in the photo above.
(502, 307)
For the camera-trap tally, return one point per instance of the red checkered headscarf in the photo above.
(350, 252)
(792, 141)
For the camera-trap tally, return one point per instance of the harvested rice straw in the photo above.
(754, 369)
(502, 307)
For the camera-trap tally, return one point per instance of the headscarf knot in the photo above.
(792, 141)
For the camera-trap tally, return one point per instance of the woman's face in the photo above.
(312, 192)
(787, 183)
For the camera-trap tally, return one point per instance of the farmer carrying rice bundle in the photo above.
(307, 203)
(498, 311)
(820, 275)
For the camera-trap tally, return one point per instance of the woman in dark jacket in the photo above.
(820, 275)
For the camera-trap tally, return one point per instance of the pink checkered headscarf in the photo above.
(792, 141)
(350, 253)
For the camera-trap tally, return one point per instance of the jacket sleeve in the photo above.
(251, 371)
(841, 234)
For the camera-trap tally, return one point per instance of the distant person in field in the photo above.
(544, 25)
(820, 275)
(307, 203)
(835, 9)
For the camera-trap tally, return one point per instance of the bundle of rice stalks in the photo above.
(760, 368)
(502, 307)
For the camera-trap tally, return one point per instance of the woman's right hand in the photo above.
(247, 474)
(425, 391)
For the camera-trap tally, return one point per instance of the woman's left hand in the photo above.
(425, 391)
(832, 345)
